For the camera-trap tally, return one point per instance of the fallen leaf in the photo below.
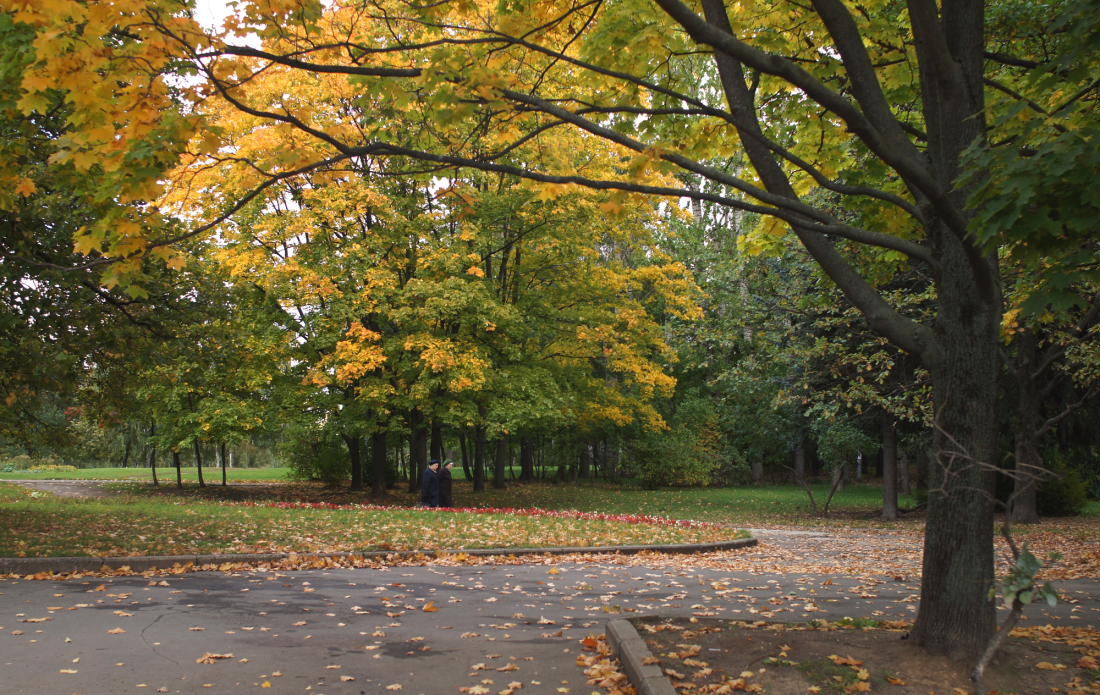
(210, 658)
(116, 631)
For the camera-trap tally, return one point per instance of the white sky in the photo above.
(210, 13)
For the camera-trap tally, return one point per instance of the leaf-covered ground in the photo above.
(708, 656)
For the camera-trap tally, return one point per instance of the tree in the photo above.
(878, 106)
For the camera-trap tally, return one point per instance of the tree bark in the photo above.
(526, 460)
(179, 468)
(500, 463)
(153, 454)
(223, 455)
(480, 447)
(356, 459)
(800, 460)
(198, 462)
(418, 448)
(436, 448)
(379, 464)
(957, 614)
(464, 448)
(889, 468)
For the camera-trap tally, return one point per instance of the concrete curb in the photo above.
(141, 563)
(628, 646)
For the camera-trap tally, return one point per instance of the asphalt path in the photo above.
(425, 630)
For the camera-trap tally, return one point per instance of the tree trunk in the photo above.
(889, 469)
(480, 446)
(436, 448)
(584, 467)
(1023, 507)
(198, 463)
(179, 468)
(905, 486)
(224, 456)
(800, 460)
(464, 449)
(126, 450)
(378, 463)
(418, 448)
(526, 459)
(356, 459)
(756, 470)
(153, 454)
(957, 613)
(500, 464)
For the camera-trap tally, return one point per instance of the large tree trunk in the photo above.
(889, 468)
(464, 448)
(198, 463)
(179, 468)
(480, 447)
(356, 459)
(223, 457)
(153, 454)
(526, 459)
(584, 462)
(500, 463)
(957, 613)
(418, 448)
(436, 448)
(756, 470)
(379, 464)
(800, 460)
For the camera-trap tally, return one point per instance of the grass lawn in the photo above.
(39, 524)
(296, 516)
(164, 473)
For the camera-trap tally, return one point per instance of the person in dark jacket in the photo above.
(429, 485)
(446, 497)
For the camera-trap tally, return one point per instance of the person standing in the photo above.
(429, 485)
(446, 498)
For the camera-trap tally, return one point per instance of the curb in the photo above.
(628, 646)
(144, 563)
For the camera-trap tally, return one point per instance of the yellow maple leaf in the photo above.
(26, 187)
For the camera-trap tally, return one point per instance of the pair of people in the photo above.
(436, 485)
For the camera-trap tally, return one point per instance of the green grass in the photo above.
(165, 473)
(39, 524)
(739, 506)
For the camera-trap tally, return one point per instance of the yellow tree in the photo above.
(471, 299)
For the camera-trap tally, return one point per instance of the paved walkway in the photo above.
(425, 630)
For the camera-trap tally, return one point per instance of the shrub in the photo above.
(312, 455)
(687, 454)
(23, 462)
(51, 467)
(1064, 494)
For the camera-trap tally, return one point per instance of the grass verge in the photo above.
(42, 525)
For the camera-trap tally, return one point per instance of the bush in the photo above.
(1064, 494)
(313, 456)
(23, 462)
(51, 467)
(685, 455)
